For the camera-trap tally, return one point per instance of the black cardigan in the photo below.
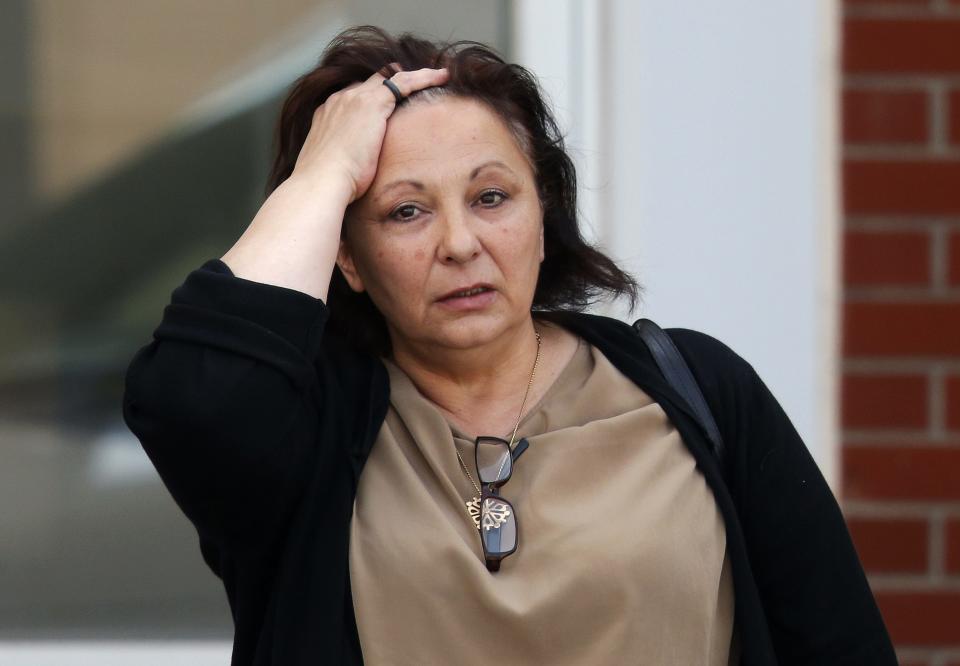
(259, 426)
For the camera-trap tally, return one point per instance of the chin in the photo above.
(436, 328)
(466, 335)
(471, 331)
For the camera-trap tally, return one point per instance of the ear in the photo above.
(348, 268)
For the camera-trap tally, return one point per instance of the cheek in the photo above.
(519, 244)
(393, 269)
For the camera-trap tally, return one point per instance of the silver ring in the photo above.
(394, 89)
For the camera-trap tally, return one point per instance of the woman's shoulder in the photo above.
(726, 378)
(708, 351)
(705, 353)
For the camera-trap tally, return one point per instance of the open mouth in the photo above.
(472, 298)
(466, 293)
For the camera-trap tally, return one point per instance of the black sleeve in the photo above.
(817, 600)
(224, 401)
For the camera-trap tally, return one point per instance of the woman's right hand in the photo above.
(347, 130)
(294, 239)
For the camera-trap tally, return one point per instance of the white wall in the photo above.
(705, 135)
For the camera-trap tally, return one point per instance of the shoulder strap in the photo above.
(678, 375)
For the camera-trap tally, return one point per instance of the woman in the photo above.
(398, 436)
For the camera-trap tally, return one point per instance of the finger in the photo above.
(417, 79)
(390, 69)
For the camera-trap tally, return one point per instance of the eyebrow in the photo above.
(416, 184)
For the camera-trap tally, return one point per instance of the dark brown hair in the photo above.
(573, 274)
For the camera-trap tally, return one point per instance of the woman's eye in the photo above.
(492, 198)
(404, 213)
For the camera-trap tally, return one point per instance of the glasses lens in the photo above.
(498, 526)
(494, 463)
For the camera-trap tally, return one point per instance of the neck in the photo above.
(492, 377)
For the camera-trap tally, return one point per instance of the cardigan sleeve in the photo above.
(224, 402)
(816, 597)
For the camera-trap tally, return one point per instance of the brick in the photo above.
(953, 546)
(890, 545)
(891, 258)
(884, 116)
(901, 473)
(899, 45)
(901, 329)
(884, 401)
(954, 122)
(913, 440)
(954, 259)
(921, 618)
(922, 187)
(952, 391)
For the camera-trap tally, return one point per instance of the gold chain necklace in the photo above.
(473, 505)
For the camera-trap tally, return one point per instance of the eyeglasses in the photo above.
(498, 520)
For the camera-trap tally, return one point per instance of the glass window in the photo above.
(137, 139)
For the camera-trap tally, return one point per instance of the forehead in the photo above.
(447, 135)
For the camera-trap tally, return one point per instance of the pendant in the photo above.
(473, 508)
(497, 512)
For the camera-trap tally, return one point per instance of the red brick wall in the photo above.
(901, 330)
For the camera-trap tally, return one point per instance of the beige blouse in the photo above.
(621, 555)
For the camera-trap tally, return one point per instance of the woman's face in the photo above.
(453, 205)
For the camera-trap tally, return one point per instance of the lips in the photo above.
(465, 292)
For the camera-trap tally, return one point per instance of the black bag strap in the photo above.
(678, 375)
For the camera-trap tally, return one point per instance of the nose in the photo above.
(459, 242)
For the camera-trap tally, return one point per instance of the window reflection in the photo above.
(137, 139)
